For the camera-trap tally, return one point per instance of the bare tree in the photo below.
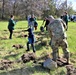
(41, 8)
(3, 3)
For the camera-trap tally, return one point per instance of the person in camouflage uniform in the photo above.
(56, 29)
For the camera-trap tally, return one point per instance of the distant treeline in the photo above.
(40, 8)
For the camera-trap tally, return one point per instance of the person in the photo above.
(28, 19)
(56, 30)
(31, 40)
(33, 22)
(11, 25)
(65, 18)
(46, 20)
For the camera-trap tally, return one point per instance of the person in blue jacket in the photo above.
(11, 25)
(31, 40)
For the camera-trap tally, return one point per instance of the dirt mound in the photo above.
(5, 64)
(27, 57)
(4, 38)
(18, 46)
(71, 70)
(62, 62)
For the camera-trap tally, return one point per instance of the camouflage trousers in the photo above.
(55, 44)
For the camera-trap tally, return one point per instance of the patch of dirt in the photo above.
(5, 64)
(4, 38)
(71, 70)
(22, 35)
(27, 57)
(61, 62)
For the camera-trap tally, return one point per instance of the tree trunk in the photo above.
(3, 9)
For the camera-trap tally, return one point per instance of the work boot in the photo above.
(68, 61)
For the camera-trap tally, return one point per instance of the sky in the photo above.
(73, 3)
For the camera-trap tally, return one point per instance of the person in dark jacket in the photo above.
(33, 22)
(11, 25)
(31, 40)
(46, 20)
(65, 18)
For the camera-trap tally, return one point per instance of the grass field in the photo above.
(10, 53)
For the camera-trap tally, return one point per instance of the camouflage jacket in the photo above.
(56, 29)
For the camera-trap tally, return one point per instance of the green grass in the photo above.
(71, 36)
(10, 53)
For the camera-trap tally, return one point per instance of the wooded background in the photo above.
(40, 8)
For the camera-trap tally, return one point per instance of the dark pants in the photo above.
(67, 24)
(46, 27)
(11, 32)
(28, 48)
